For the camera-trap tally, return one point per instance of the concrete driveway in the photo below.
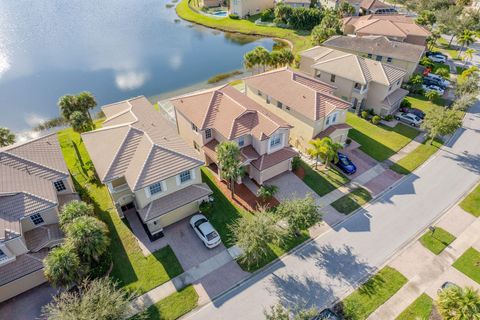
(362, 161)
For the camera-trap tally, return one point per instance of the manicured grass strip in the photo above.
(373, 293)
(417, 157)
(379, 141)
(471, 203)
(322, 182)
(172, 307)
(352, 201)
(437, 241)
(421, 102)
(130, 267)
(469, 264)
(419, 309)
(300, 40)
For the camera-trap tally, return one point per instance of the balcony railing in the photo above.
(360, 90)
(121, 188)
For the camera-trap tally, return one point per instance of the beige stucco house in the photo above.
(395, 27)
(146, 166)
(212, 3)
(295, 3)
(308, 104)
(207, 118)
(376, 7)
(367, 83)
(244, 8)
(34, 183)
(379, 48)
(334, 4)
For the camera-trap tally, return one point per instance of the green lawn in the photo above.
(172, 307)
(373, 293)
(299, 39)
(420, 102)
(443, 47)
(471, 203)
(225, 213)
(322, 181)
(417, 157)
(131, 268)
(352, 201)
(420, 309)
(469, 264)
(437, 241)
(379, 141)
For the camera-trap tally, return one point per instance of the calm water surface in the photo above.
(114, 48)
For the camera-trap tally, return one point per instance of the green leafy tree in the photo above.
(346, 9)
(433, 38)
(267, 191)
(228, 154)
(464, 102)
(287, 58)
(459, 304)
(82, 102)
(99, 299)
(283, 13)
(300, 214)
(330, 25)
(72, 210)
(468, 82)
(448, 19)
(6, 137)
(62, 266)
(279, 312)
(325, 149)
(468, 55)
(441, 123)
(254, 234)
(427, 62)
(432, 95)
(426, 18)
(89, 237)
(80, 122)
(305, 18)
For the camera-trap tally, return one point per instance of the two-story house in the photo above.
(308, 104)
(146, 166)
(379, 48)
(244, 8)
(367, 83)
(207, 118)
(34, 184)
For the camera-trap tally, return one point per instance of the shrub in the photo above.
(376, 119)
(371, 112)
(432, 95)
(443, 72)
(296, 163)
(266, 192)
(348, 141)
(427, 62)
(62, 267)
(267, 15)
(364, 114)
(99, 269)
(300, 214)
(233, 16)
(388, 117)
(72, 210)
(405, 104)
(206, 207)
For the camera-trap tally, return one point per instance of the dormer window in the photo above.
(241, 141)
(194, 127)
(208, 133)
(59, 186)
(275, 140)
(37, 219)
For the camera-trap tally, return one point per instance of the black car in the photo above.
(436, 53)
(327, 314)
(434, 82)
(419, 113)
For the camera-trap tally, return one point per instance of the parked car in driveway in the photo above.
(419, 113)
(205, 231)
(327, 314)
(447, 285)
(409, 118)
(434, 83)
(437, 78)
(436, 53)
(432, 87)
(438, 58)
(345, 164)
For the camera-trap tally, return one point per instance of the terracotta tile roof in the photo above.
(353, 67)
(174, 200)
(268, 160)
(22, 266)
(229, 112)
(143, 151)
(209, 149)
(388, 25)
(378, 45)
(331, 129)
(373, 4)
(310, 97)
(249, 153)
(395, 96)
(246, 153)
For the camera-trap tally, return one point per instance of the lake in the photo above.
(115, 49)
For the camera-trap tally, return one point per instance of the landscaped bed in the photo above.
(321, 181)
(417, 157)
(131, 268)
(469, 264)
(419, 309)
(437, 241)
(379, 141)
(471, 203)
(352, 201)
(373, 293)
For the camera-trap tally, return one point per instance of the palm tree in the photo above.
(325, 149)
(62, 266)
(89, 237)
(86, 102)
(316, 150)
(228, 154)
(287, 57)
(459, 304)
(263, 56)
(468, 55)
(67, 105)
(6, 137)
(465, 39)
(72, 210)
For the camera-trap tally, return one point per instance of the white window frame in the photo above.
(192, 177)
(333, 78)
(208, 133)
(37, 217)
(163, 187)
(185, 176)
(276, 137)
(60, 183)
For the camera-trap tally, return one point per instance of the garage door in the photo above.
(178, 214)
(275, 170)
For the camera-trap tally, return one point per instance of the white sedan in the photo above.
(205, 231)
(432, 87)
(409, 118)
(438, 58)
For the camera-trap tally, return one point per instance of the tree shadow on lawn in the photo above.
(371, 147)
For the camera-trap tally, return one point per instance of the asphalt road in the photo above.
(328, 267)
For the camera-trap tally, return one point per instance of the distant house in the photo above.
(306, 103)
(379, 48)
(395, 27)
(295, 3)
(376, 7)
(34, 184)
(244, 8)
(334, 4)
(367, 83)
(212, 3)
(146, 166)
(207, 118)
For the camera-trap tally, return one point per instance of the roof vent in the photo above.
(304, 97)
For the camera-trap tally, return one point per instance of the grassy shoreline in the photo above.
(297, 39)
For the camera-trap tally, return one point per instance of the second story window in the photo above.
(379, 58)
(155, 188)
(332, 78)
(241, 141)
(194, 127)
(369, 55)
(389, 59)
(185, 176)
(268, 99)
(279, 105)
(275, 140)
(208, 133)
(37, 219)
(195, 145)
(59, 185)
(2, 255)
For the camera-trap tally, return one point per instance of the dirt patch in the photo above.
(245, 198)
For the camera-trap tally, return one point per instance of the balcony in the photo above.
(360, 90)
(120, 188)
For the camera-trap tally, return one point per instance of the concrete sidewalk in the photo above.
(427, 272)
